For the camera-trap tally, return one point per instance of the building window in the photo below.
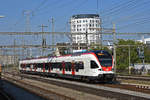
(90, 25)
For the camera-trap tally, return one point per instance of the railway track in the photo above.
(47, 94)
(3, 94)
(117, 91)
(140, 78)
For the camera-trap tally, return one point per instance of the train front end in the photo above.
(105, 70)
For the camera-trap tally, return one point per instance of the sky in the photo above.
(128, 15)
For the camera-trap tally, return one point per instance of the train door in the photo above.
(31, 66)
(49, 68)
(87, 69)
(73, 68)
(43, 67)
(63, 67)
(34, 66)
(24, 67)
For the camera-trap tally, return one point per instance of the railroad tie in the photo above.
(142, 86)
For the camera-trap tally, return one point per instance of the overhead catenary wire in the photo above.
(143, 21)
(117, 7)
(115, 11)
(39, 6)
(131, 16)
(120, 8)
(125, 18)
(21, 18)
(56, 4)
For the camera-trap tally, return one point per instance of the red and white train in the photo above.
(91, 65)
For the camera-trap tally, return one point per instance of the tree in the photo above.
(123, 54)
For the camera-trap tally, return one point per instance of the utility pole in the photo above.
(43, 37)
(101, 33)
(14, 51)
(27, 13)
(53, 37)
(129, 61)
(114, 47)
(86, 35)
(100, 23)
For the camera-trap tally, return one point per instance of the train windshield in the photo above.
(104, 58)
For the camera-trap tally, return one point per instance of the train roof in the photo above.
(78, 53)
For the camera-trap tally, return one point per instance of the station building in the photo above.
(85, 23)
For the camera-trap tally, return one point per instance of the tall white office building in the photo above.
(85, 23)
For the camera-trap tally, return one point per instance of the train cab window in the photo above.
(93, 64)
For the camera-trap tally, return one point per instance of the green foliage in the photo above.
(147, 54)
(122, 54)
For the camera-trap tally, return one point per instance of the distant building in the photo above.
(140, 66)
(6, 60)
(145, 40)
(85, 23)
(141, 69)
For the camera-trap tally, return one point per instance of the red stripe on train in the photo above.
(63, 66)
(73, 71)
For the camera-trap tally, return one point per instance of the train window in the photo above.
(81, 65)
(60, 68)
(93, 64)
(27, 65)
(46, 66)
(76, 65)
(56, 65)
(22, 65)
(68, 66)
(77, 69)
(59, 64)
(40, 65)
(35, 65)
